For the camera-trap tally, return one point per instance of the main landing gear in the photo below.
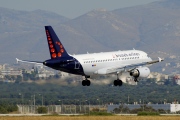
(86, 82)
(118, 82)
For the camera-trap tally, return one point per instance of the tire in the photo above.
(83, 83)
(115, 82)
(120, 82)
(88, 82)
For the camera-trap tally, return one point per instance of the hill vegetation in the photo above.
(25, 93)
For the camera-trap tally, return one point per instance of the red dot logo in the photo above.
(62, 50)
(50, 42)
(54, 55)
(58, 43)
(52, 50)
(51, 46)
(59, 54)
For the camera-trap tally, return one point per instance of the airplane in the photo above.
(134, 62)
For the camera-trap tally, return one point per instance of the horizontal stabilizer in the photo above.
(32, 62)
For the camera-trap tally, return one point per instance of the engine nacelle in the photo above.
(141, 72)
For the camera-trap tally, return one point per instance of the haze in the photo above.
(70, 8)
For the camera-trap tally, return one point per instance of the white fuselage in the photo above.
(98, 63)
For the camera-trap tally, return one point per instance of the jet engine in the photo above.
(141, 72)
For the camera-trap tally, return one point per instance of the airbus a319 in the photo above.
(116, 62)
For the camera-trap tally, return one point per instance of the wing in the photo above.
(32, 62)
(116, 69)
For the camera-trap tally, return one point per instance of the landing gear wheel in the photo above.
(86, 83)
(117, 82)
(120, 82)
(83, 83)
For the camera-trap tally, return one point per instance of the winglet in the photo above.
(160, 59)
(17, 60)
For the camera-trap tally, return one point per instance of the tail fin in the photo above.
(56, 48)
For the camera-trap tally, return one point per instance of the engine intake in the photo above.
(140, 72)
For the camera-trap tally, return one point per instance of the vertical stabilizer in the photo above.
(56, 48)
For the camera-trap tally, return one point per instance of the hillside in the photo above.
(152, 27)
(22, 33)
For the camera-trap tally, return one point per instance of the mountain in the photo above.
(154, 28)
(157, 24)
(13, 20)
(151, 27)
(22, 33)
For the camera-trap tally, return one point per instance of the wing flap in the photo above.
(109, 70)
(116, 69)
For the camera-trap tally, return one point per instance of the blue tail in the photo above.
(56, 48)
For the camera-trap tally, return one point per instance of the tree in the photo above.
(122, 109)
(18, 79)
(3, 110)
(7, 77)
(143, 108)
(42, 110)
(7, 108)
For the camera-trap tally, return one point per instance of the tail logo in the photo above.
(53, 48)
(61, 50)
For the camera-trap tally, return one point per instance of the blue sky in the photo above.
(70, 8)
